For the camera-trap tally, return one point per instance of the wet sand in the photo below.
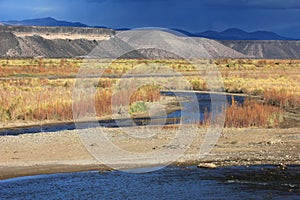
(46, 153)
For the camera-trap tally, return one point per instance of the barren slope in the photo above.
(76, 42)
(266, 48)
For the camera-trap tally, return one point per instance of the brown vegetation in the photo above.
(41, 89)
(253, 114)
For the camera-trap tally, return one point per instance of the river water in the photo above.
(255, 182)
(203, 101)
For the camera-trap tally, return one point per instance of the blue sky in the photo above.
(281, 16)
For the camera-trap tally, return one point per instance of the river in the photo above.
(255, 182)
(202, 100)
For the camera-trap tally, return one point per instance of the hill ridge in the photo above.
(21, 41)
(228, 34)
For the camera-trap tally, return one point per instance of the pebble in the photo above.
(207, 165)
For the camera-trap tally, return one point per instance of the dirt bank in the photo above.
(44, 153)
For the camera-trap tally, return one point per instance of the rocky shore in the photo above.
(44, 153)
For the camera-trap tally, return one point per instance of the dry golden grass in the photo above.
(249, 114)
(282, 98)
(32, 99)
(253, 114)
(28, 91)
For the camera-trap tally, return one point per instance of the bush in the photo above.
(137, 107)
(253, 114)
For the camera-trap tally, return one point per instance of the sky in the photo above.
(280, 16)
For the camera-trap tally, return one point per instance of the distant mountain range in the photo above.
(238, 34)
(229, 34)
(69, 42)
(49, 37)
(48, 21)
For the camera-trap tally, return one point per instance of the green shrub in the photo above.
(137, 107)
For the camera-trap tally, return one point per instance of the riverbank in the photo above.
(55, 152)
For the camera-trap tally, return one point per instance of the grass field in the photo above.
(40, 90)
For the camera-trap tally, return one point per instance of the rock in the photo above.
(282, 166)
(207, 165)
(102, 171)
(272, 142)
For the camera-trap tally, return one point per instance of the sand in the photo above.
(44, 153)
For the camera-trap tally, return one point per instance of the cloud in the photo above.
(126, 1)
(234, 4)
(135, 2)
(96, 1)
(42, 10)
(192, 15)
(258, 4)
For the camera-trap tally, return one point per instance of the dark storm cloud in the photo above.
(281, 16)
(258, 4)
(126, 1)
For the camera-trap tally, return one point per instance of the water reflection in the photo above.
(204, 103)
